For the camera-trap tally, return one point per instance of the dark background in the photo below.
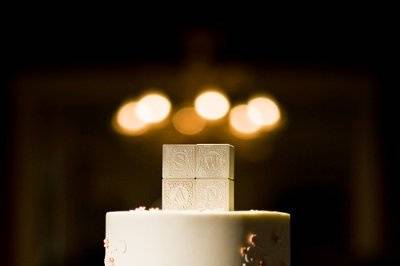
(332, 165)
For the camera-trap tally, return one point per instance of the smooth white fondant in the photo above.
(195, 238)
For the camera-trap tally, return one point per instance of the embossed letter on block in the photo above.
(179, 161)
(178, 193)
(215, 161)
(214, 194)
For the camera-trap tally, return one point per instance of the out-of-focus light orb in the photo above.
(153, 108)
(212, 105)
(188, 122)
(263, 111)
(241, 122)
(126, 120)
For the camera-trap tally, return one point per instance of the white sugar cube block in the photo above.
(178, 193)
(214, 194)
(179, 161)
(215, 161)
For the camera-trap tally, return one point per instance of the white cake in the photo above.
(198, 225)
(197, 238)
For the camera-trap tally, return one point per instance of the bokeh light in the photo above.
(126, 120)
(241, 123)
(188, 122)
(263, 111)
(212, 105)
(153, 108)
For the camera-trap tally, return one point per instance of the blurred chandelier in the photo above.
(151, 110)
(247, 120)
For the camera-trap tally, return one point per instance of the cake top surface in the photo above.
(156, 212)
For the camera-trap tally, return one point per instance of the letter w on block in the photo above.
(215, 161)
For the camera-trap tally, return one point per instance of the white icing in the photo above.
(197, 238)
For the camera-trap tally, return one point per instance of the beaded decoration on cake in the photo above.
(254, 253)
(109, 259)
(251, 253)
(112, 250)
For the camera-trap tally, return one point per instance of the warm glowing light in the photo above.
(126, 120)
(240, 121)
(212, 105)
(188, 122)
(263, 111)
(153, 108)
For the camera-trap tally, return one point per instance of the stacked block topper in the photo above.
(198, 177)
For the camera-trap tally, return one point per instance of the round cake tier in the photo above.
(197, 238)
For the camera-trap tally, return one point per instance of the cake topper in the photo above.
(198, 177)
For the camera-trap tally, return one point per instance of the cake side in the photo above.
(197, 238)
